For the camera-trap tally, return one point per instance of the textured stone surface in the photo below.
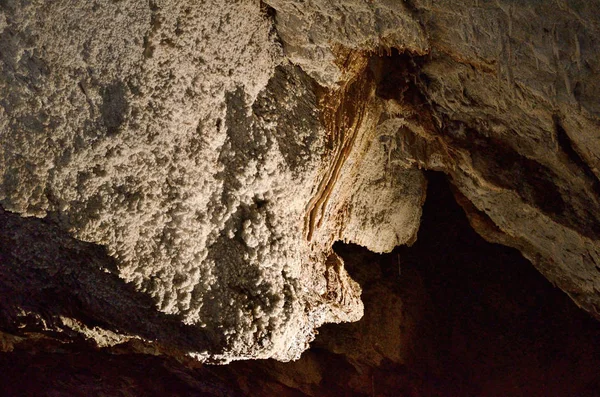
(427, 331)
(516, 137)
(312, 31)
(502, 96)
(205, 157)
(152, 130)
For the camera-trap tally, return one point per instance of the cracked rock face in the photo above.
(178, 173)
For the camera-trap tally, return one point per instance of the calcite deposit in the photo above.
(174, 174)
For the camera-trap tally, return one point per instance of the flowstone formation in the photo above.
(174, 175)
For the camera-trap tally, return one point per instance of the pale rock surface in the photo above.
(153, 130)
(500, 95)
(514, 86)
(218, 174)
(312, 31)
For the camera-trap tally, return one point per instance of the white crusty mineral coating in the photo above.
(150, 129)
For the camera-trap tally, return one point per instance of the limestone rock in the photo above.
(217, 151)
(313, 31)
(176, 136)
(500, 96)
(510, 129)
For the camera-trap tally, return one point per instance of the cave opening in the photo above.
(486, 322)
(452, 315)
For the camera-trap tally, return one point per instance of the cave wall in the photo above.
(502, 96)
(167, 133)
(452, 315)
(190, 166)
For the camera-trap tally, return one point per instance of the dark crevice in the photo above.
(503, 329)
(45, 270)
(566, 145)
(505, 167)
(271, 14)
(397, 77)
(400, 79)
(495, 324)
(82, 371)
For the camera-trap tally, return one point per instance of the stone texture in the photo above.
(312, 32)
(193, 164)
(168, 133)
(500, 96)
(427, 331)
(505, 118)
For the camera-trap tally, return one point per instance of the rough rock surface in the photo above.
(190, 160)
(152, 130)
(500, 95)
(452, 315)
(193, 164)
(427, 331)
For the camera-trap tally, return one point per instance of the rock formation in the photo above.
(174, 174)
(452, 315)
